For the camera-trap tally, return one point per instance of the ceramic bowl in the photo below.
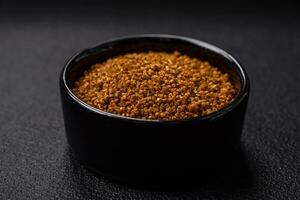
(141, 151)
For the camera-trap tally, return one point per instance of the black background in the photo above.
(36, 39)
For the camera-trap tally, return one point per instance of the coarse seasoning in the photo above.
(155, 85)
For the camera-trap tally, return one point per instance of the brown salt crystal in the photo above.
(155, 85)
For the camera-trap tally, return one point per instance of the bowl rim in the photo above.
(243, 92)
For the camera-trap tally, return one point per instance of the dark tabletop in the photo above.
(36, 40)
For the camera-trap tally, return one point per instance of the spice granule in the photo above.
(155, 85)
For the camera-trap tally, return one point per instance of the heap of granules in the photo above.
(155, 86)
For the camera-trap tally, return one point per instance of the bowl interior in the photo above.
(193, 48)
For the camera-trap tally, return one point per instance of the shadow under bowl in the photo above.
(141, 151)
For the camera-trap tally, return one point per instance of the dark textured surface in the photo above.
(35, 42)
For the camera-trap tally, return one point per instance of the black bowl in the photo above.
(141, 151)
